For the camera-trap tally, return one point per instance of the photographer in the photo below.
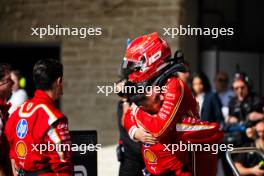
(249, 163)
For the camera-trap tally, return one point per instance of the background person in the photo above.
(5, 92)
(248, 163)
(224, 93)
(245, 105)
(209, 103)
(128, 151)
(184, 76)
(19, 95)
(38, 121)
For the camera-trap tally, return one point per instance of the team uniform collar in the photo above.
(42, 96)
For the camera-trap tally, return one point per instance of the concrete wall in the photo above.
(95, 60)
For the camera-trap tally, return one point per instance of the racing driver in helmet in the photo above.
(148, 62)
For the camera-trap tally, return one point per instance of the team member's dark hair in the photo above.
(4, 67)
(205, 81)
(17, 73)
(45, 73)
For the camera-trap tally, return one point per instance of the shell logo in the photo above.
(150, 156)
(21, 149)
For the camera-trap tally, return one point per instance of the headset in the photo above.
(239, 75)
(244, 77)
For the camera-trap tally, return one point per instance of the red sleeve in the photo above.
(59, 160)
(159, 123)
(130, 123)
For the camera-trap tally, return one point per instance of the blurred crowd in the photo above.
(239, 110)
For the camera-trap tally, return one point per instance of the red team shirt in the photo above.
(36, 122)
(163, 124)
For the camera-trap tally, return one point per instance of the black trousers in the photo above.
(130, 167)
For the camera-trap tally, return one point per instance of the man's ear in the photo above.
(161, 97)
(59, 81)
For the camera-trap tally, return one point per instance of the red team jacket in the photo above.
(4, 148)
(37, 122)
(171, 125)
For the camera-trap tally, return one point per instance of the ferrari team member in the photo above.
(159, 160)
(146, 57)
(37, 128)
(6, 84)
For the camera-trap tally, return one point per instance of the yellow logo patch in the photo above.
(21, 149)
(150, 156)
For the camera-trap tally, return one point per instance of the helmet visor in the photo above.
(128, 67)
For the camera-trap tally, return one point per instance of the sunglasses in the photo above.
(6, 82)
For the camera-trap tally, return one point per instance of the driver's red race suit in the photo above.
(35, 131)
(176, 121)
